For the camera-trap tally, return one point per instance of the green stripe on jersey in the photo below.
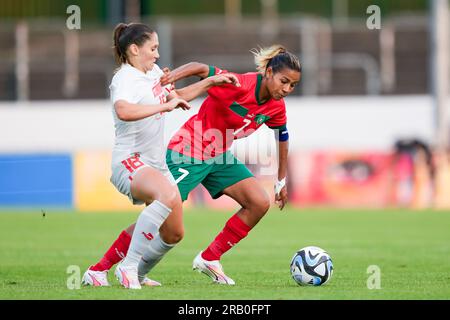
(258, 87)
(240, 110)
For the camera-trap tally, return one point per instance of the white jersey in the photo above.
(146, 136)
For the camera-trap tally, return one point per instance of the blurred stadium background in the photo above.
(368, 122)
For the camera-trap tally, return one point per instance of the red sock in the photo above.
(115, 253)
(235, 230)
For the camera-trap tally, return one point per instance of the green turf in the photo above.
(412, 249)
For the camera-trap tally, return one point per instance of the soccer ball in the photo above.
(311, 266)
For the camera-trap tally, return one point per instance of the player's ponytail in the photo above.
(127, 34)
(277, 57)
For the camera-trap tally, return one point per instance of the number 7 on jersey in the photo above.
(247, 122)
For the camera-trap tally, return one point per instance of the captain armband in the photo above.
(282, 133)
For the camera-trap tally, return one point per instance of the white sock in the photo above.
(145, 231)
(152, 255)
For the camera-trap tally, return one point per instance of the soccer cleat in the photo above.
(212, 269)
(150, 283)
(127, 276)
(95, 278)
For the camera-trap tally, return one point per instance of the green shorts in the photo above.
(214, 174)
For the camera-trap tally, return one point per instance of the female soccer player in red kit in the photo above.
(198, 152)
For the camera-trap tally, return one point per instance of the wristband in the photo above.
(279, 185)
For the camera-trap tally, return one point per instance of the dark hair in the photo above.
(127, 34)
(276, 57)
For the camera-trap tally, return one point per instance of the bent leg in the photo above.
(149, 185)
(255, 203)
(253, 199)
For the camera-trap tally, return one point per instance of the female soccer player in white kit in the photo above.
(139, 168)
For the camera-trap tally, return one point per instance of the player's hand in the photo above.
(225, 78)
(281, 198)
(177, 103)
(168, 77)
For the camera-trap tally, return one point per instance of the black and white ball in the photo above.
(311, 266)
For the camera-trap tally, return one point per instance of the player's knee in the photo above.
(170, 198)
(173, 236)
(261, 204)
(265, 205)
(177, 236)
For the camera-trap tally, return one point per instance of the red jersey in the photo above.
(228, 113)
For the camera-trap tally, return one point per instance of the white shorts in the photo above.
(123, 173)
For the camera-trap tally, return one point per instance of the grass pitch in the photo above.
(411, 248)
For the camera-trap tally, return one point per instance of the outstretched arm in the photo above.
(194, 90)
(127, 111)
(186, 70)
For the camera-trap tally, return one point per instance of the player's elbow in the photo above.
(123, 116)
(202, 69)
(121, 111)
